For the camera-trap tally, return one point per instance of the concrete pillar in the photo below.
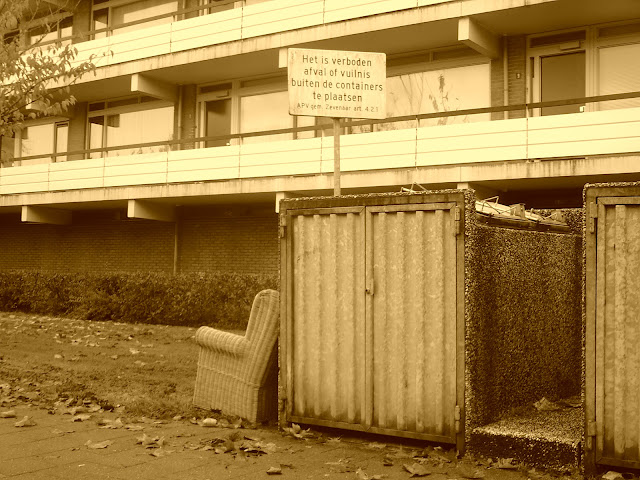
(516, 72)
(482, 192)
(54, 216)
(77, 129)
(188, 115)
(81, 21)
(151, 211)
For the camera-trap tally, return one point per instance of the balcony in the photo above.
(270, 17)
(542, 147)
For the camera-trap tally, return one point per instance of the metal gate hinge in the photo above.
(282, 225)
(456, 417)
(592, 215)
(456, 217)
(592, 430)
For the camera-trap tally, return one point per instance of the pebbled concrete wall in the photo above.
(524, 327)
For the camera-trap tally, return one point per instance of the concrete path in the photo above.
(56, 447)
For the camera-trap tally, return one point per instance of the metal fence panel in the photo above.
(328, 358)
(617, 334)
(371, 332)
(414, 321)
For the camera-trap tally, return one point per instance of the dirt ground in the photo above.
(128, 374)
(149, 369)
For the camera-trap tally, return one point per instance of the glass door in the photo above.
(218, 121)
(562, 77)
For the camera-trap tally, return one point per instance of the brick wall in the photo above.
(93, 243)
(497, 86)
(230, 240)
(516, 53)
(243, 240)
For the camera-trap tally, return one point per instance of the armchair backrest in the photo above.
(262, 332)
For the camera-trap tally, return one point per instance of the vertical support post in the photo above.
(336, 156)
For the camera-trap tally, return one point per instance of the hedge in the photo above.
(221, 299)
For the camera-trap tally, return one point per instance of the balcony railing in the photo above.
(189, 29)
(608, 132)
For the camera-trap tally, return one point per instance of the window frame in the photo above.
(56, 123)
(591, 46)
(139, 106)
(109, 5)
(259, 85)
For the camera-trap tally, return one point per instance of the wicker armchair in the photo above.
(239, 374)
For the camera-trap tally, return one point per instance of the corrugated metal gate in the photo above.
(372, 320)
(613, 331)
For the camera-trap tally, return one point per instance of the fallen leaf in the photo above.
(612, 475)
(361, 475)
(96, 445)
(297, 432)
(417, 470)
(209, 422)
(376, 446)
(133, 428)
(81, 418)
(467, 471)
(544, 405)
(274, 471)
(25, 422)
(505, 464)
(8, 414)
(341, 466)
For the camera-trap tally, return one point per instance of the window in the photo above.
(619, 72)
(43, 141)
(129, 122)
(269, 111)
(434, 90)
(591, 61)
(52, 32)
(442, 90)
(248, 106)
(113, 14)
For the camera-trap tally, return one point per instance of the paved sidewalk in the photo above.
(58, 448)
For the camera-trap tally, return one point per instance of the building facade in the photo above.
(178, 150)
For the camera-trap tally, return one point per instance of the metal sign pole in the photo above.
(336, 155)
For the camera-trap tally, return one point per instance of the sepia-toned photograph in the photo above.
(320, 239)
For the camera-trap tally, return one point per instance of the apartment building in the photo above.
(180, 147)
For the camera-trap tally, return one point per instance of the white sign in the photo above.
(336, 83)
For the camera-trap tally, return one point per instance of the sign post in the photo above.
(337, 131)
(337, 84)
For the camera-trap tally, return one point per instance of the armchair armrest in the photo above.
(222, 342)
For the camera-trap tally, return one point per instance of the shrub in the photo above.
(217, 299)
